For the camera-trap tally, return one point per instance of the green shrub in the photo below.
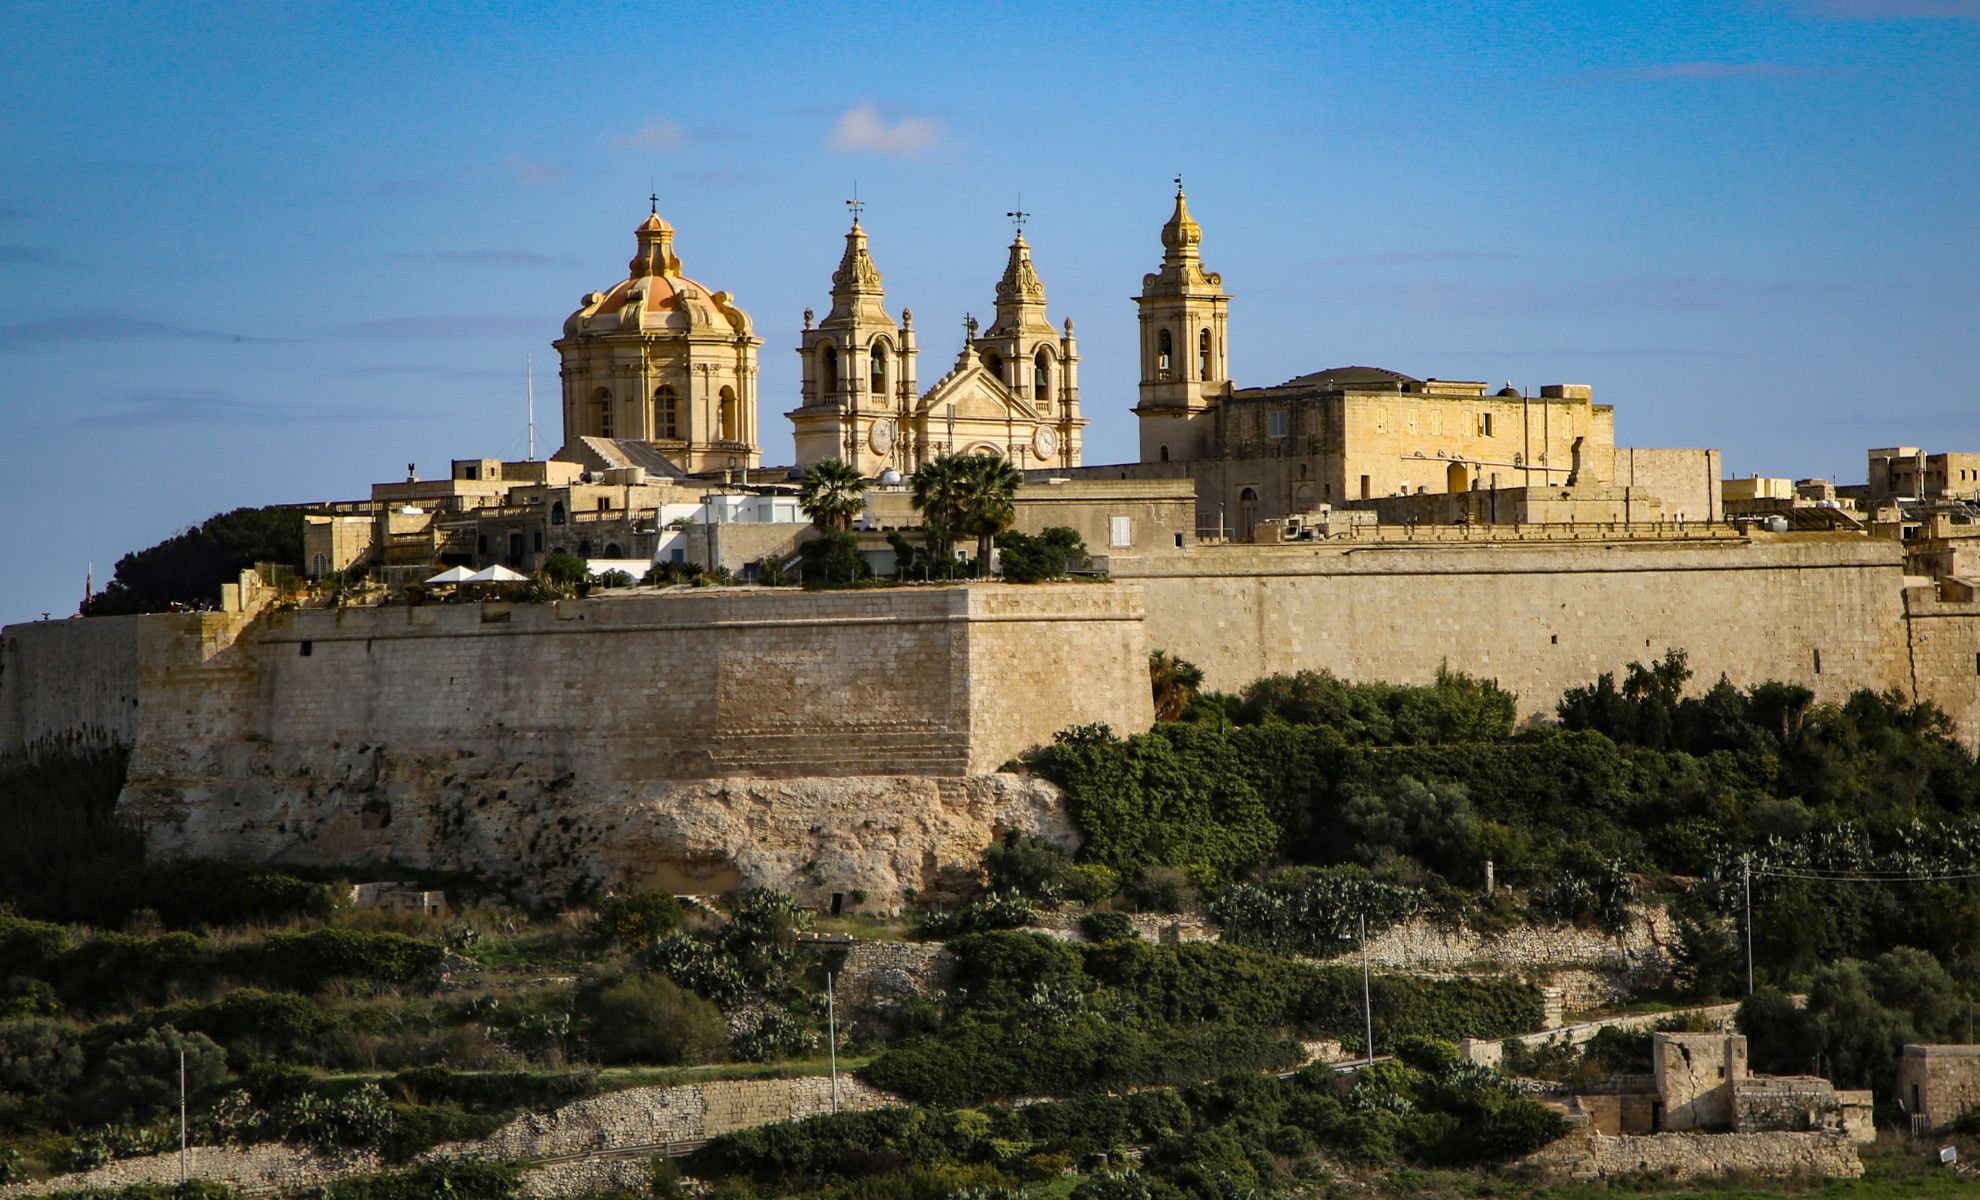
(1315, 911)
(651, 1019)
(463, 1179)
(416, 1128)
(302, 961)
(637, 919)
(1107, 927)
(494, 1091)
(139, 1078)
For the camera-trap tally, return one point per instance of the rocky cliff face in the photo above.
(549, 836)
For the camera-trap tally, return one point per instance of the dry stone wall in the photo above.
(1638, 954)
(631, 1119)
(1695, 1155)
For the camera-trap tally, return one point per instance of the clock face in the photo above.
(1044, 442)
(881, 436)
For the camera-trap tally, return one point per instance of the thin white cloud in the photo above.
(863, 130)
(657, 134)
(1708, 70)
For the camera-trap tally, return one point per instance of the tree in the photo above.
(1174, 680)
(991, 485)
(651, 1019)
(188, 568)
(938, 491)
(966, 495)
(832, 494)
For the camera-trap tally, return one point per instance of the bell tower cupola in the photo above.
(1185, 352)
(859, 385)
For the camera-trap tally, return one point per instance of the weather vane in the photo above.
(857, 205)
(1179, 185)
(1017, 215)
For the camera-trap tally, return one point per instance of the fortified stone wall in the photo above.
(1945, 656)
(1824, 611)
(69, 686)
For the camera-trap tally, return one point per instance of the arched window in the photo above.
(557, 512)
(584, 548)
(1165, 454)
(1165, 348)
(601, 406)
(730, 416)
(612, 550)
(994, 363)
(1041, 378)
(319, 564)
(1203, 355)
(828, 371)
(1247, 514)
(876, 376)
(666, 412)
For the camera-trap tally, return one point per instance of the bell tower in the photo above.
(1185, 354)
(1037, 362)
(859, 386)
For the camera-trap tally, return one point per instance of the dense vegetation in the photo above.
(189, 567)
(1300, 813)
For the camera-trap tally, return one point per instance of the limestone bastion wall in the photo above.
(819, 743)
(1823, 611)
(69, 685)
(1945, 656)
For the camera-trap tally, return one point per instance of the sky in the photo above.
(273, 253)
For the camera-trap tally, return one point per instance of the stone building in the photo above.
(1906, 472)
(1013, 391)
(661, 360)
(1699, 1082)
(1936, 1083)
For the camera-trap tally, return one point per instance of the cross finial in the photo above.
(654, 201)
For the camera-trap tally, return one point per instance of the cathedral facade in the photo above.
(1013, 390)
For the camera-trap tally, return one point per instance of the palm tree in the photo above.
(966, 495)
(1174, 681)
(939, 492)
(991, 485)
(832, 494)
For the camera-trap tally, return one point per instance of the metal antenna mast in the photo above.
(529, 388)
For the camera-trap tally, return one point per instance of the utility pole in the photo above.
(1746, 882)
(1367, 1003)
(529, 389)
(832, 1037)
(182, 1118)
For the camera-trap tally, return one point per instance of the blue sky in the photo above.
(275, 252)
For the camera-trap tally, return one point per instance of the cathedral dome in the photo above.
(655, 297)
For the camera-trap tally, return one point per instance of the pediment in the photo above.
(977, 394)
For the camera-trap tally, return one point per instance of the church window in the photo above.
(1041, 378)
(1203, 355)
(828, 370)
(557, 513)
(601, 402)
(1164, 348)
(1278, 424)
(319, 565)
(731, 416)
(994, 363)
(666, 412)
(876, 374)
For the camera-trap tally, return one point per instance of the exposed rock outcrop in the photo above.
(812, 837)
